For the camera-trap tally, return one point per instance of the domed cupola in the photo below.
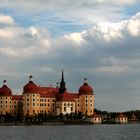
(85, 89)
(5, 90)
(30, 87)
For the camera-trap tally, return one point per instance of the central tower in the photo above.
(62, 88)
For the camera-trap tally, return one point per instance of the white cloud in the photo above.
(118, 1)
(32, 4)
(111, 69)
(76, 37)
(114, 31)
(80, 11)
(4, 33)
(10, 52)
(133, 25)
(6, 20)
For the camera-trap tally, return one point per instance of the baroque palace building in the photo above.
(50, 100)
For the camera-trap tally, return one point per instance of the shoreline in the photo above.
(60, 123)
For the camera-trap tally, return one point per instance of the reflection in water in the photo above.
(71, 132)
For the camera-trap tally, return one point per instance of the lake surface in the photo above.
(71, 132)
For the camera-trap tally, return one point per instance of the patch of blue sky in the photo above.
(132, 9)
(21, 18)
(56, 25)
(61, 27)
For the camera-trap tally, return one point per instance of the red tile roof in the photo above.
(16, 97)
(30, 87)
(95, 116)
(85, 89)
(5, 91)
(120, 115)
(65, 97)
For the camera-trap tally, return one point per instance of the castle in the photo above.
(50, 100)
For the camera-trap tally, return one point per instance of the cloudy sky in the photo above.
(96, 39)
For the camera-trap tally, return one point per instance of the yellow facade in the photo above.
(34, 104)
(31, 104)
(5, 105)
(87, 104)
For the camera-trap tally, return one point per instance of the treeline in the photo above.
(40, 118)
(110, 116)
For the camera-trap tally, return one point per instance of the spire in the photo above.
(62, 75)
(62, 88)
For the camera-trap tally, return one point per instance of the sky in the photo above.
(94, 39)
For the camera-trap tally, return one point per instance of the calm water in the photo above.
(71, 132)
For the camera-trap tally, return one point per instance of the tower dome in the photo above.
(5, 90)
(30, 87)
(85, 89)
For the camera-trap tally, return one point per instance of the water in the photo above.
(71, 132)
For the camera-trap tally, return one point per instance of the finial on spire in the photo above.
(30, 78)
(85, 81)
(4, 82)
(57, 85)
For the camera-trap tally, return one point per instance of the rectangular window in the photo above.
(27, 104)
(33, 104)
(64, 108)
